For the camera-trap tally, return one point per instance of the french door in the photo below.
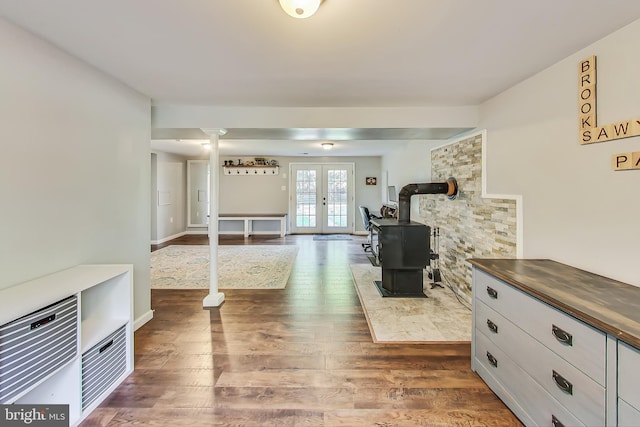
(322, 198)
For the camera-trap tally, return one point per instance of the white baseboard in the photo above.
(166, 239)
(196, 232)
(142, 320)
(360, 233)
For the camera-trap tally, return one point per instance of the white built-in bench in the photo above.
(253, 224)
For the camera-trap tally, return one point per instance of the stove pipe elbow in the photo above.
(450, 188)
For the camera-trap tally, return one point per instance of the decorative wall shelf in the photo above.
(251, 170)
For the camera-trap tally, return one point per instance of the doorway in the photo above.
(322, 199)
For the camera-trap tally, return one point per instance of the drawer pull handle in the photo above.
(556, 422)
(563, 336)
(492, 326)
(492, 360)
(562, 383)
(492, 292)
(41, 322)
(106, 346)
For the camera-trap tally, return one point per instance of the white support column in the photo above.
(215, 298)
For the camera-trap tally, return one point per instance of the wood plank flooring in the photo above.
(301, 356)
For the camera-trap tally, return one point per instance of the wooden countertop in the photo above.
(606, 304)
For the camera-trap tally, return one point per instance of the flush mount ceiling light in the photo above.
(327, 145)
(300, 8)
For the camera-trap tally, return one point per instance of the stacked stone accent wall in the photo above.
(470, 226)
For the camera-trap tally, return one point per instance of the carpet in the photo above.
(331, 237)
(239, 266)
(438, 318)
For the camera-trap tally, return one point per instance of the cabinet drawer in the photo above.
(575, 341)
(581, 395)
(34, 346)
(102, 365)
(629, 374)
(628, 416)
(539, 405)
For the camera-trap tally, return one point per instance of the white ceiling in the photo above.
(352, 53)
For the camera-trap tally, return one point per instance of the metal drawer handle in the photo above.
(562, 383)
(106, 346)
(556, 422)
(563, 336)
(492, 326)
(43, 322)
(492, 360)
(492, 292)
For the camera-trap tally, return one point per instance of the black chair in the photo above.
(366, 217)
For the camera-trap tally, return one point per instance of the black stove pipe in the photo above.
(450, 188)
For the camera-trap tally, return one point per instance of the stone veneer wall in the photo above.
(470, 226)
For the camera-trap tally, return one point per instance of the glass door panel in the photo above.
(306, 199)
(323, 198)
(337, 200)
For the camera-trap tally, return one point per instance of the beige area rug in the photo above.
(438, 318)
(239, 267)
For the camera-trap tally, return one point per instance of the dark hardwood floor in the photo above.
(301, 356)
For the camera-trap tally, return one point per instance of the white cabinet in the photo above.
(528, 400)
(548, 340)
(628, 385)
(525, 332)
(67, 338)
(628, 416)
(566, 336)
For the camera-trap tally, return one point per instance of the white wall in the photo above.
(408, 164)
(74, 166)
(264, 194)
(170, 179)
(576, 209)
(154, 198)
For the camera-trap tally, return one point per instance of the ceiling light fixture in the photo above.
(327, 145)
(300, 8)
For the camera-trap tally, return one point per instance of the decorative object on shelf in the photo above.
(371, 180)
(256, 166)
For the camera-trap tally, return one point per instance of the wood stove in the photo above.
(403, 252)
(402, 247)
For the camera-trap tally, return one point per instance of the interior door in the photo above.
(322, 200)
